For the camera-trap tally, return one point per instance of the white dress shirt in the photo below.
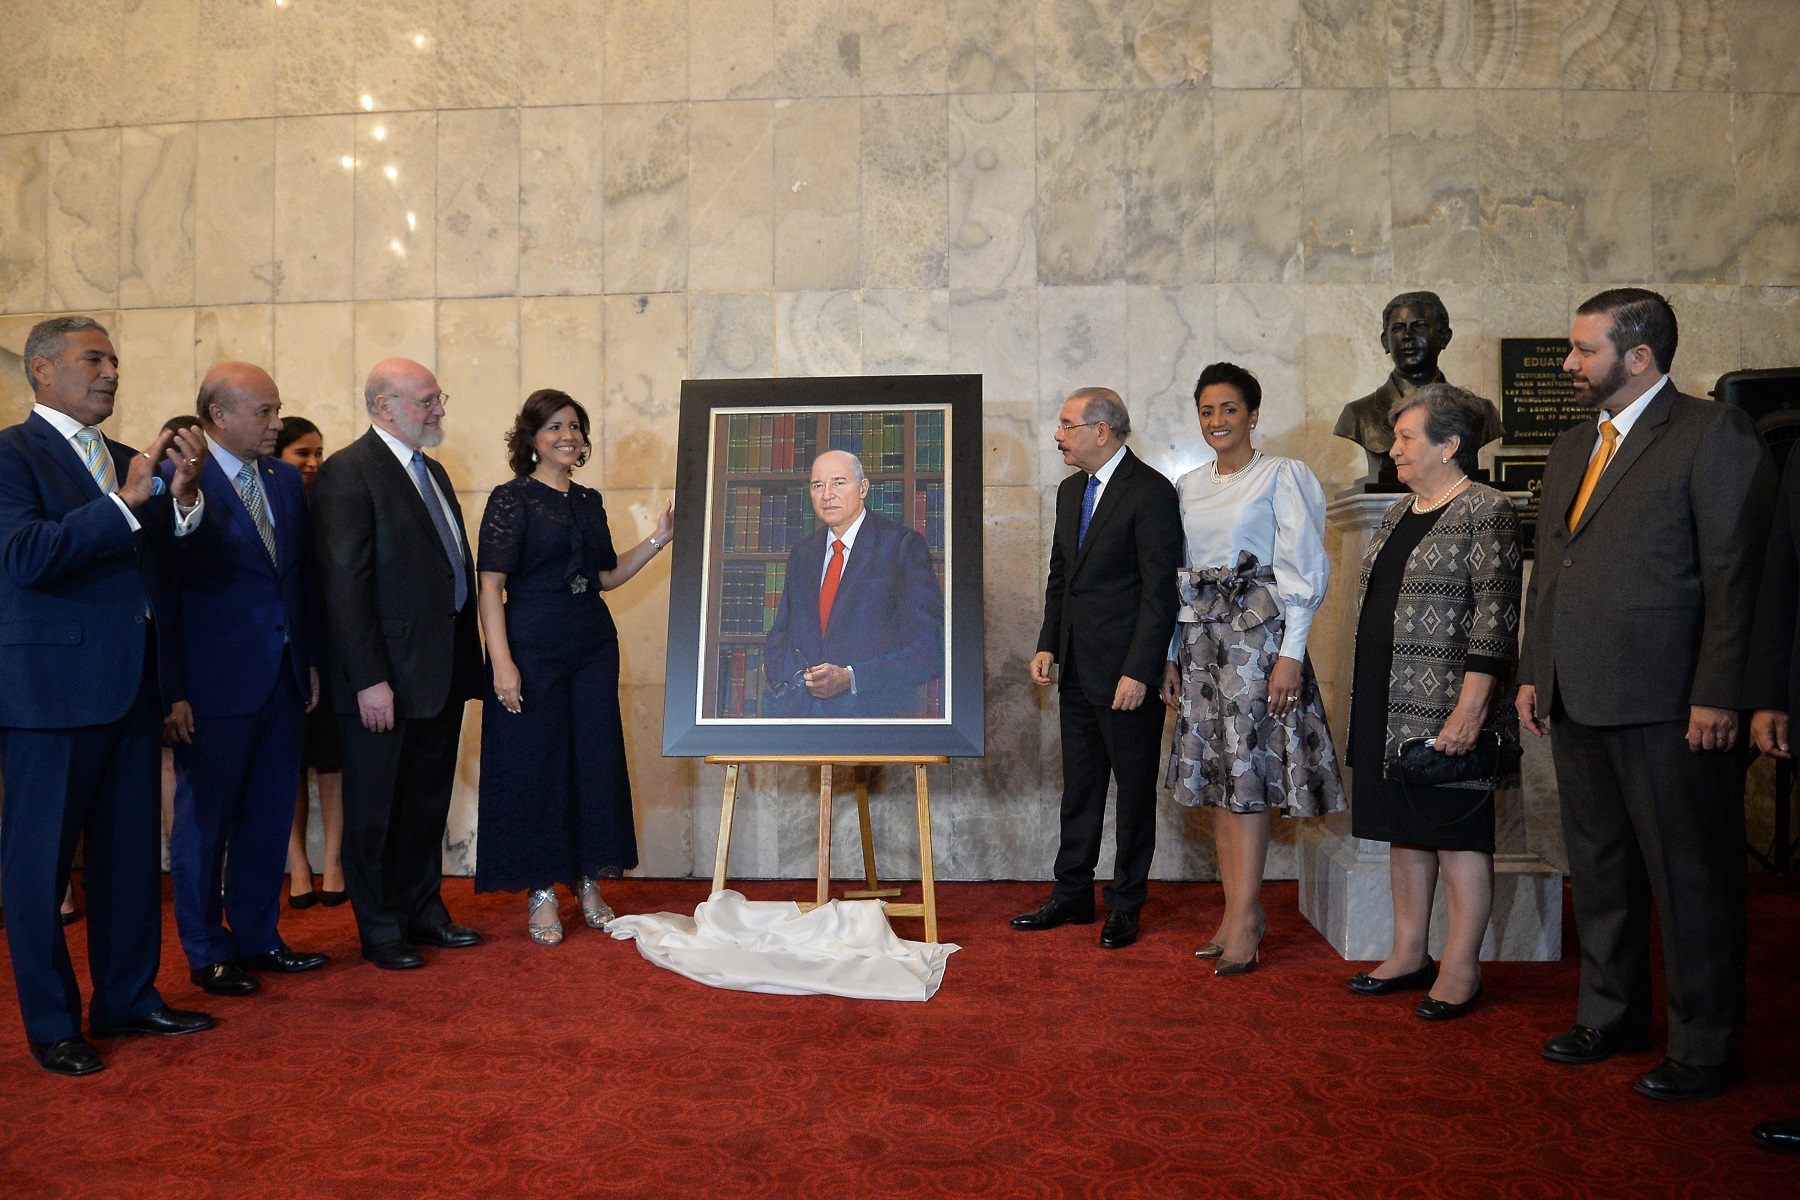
(849, 540)
(232, 465)
(404, 453)
(1627, 417)
(185, 518)
(1105, 474)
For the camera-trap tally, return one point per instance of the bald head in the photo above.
(404, 399)
(241, 409)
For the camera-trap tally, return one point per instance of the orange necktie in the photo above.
(828, 590)
(1609, 439)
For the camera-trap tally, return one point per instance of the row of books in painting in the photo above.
(767, 516)
(877, 439)
(750, 594)
(928, 442)
(740, 685)
(775, 442)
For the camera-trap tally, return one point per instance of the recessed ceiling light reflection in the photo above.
(379, 133)
(368, 102)
(392, 172)
(412, 222)
(397, 248)
(348, 162)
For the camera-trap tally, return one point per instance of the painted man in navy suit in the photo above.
(239, 677)
(83, 523)
(861, 621)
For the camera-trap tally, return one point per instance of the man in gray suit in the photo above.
(1649, 549)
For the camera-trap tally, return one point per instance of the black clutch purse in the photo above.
(1420, 764)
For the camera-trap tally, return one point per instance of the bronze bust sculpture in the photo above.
(1415, 329)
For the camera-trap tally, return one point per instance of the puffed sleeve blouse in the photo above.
(1275, 509)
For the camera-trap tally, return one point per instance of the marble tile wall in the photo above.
(610, 197)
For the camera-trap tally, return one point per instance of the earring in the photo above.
(534, 456)
(1446, 458)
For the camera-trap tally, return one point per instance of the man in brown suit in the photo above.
(1649, 549)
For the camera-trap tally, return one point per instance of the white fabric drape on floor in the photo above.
(845, 948)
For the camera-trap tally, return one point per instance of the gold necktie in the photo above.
(1609, 438)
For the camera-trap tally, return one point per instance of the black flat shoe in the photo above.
(448, 936)
(1052, 913)
(1442, 1010)
(1680, 1081)
(394, 956)
(70, 1056)
(164, 1022)
(282, 961)
(1364, 984)
(333, 899)
(303, 900)
(1783, 1137)
(1584, 1045)
(69, 918)
(223, 979)
(1120, 930)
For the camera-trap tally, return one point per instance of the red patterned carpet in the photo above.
(1045, 1067)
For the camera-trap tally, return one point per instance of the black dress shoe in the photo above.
(1584, 1045)
(1687, 1081)
(223, 979)
(165, 1021)
(332, 899)
(1054, 912)
(69, 918)
(449, 936)
(1783, 1137)
(282, 961)
(1364, 984)
(394, 956)
(1443, 1010)
(70, 1056)
(303, 900)
(1120, 930)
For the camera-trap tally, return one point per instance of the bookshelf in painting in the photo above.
(762, 509)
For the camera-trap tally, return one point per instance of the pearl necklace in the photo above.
(1450, 494)
(1229, 476)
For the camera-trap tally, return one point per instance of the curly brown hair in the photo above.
(534, 414)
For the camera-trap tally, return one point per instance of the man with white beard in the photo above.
(402, 656)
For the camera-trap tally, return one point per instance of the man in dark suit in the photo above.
(238, 677)
(1637, 626)
(1109, 608)
(861, 627)
(83, 521)
(1772, 682)
(398, 587)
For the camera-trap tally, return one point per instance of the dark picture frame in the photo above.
(742, 510)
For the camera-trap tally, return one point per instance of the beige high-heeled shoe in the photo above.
(594, 908)
(543, 935)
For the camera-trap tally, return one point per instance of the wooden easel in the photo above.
(927, 909)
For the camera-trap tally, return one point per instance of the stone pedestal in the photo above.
(1344, 880)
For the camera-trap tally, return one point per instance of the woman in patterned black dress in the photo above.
(555, 796)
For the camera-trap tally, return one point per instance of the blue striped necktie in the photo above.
(1087, 508)
(452, 548)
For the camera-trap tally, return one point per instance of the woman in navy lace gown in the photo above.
(555, 796)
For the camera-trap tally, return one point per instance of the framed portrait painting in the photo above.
(825, 596)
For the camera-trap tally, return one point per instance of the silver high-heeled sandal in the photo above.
(594, 908)
(543, 935)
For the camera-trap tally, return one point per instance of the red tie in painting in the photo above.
(828, 590)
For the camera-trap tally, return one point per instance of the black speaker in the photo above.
(1772, 398)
